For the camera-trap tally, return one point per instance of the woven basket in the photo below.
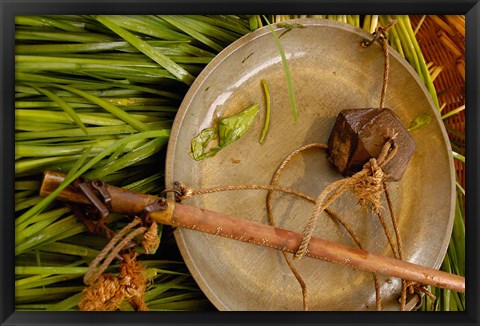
(442, 41)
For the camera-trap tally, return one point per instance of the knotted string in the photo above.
(112, 248)
(107, 292)
(365, 184)
(274, 181)
(381, 34)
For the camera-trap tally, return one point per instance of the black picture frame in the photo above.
(10, 8)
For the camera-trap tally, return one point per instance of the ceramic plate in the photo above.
(331, 72)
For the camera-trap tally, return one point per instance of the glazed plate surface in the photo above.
(331, 72)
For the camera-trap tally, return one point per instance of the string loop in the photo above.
(381, 34)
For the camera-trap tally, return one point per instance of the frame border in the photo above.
(10, 8)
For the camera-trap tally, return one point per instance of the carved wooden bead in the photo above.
(359, 134)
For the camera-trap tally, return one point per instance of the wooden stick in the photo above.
(220, 224)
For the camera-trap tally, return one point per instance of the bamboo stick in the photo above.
(443, 25)
(185, 216)
(461, 68)
(449, 44)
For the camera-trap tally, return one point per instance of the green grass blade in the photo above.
(25, 150)
(67, 304)
(29, 202)
(406, 27)
(150, 27)
(69, 249)
(38, 21)
(83, 60)
(27, 216)
(62, 37)
(185, 305)
(33, 229)
(130, 158)
(22, 195)
(224, 22)
(267, 111)
(173, 298)
(27, 185)
(288, 76)
(50, 270)
(50, 233)
(93, 131)
(43, 280)
(453, 112)
(119, 113)
(138, 186)
(253, 22)
(58, 212)
(68, 48)
(178, 23)
(49, 116)
(47, 291)
(150, 51)
(163, 287)
(458, 238)
(214, 32)
(91, 85)
(459, 157)
(31, 166)
(47, 200)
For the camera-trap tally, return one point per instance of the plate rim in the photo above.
(223, 55)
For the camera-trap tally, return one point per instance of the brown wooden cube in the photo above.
(359, 134)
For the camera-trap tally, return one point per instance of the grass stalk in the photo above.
(148, 26)
(119, 113)
(42, 280)
(453, 112)
(136, 155)
(183, 26)
(89, 85)
(148, 50)
(267, 111)
(75, 174)
(75, 133)
(64, 105)
(288, 76)
(82, 37)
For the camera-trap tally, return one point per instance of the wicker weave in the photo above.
(442, 41)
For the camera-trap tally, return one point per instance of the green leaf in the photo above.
(420, 121)
(229, 130)
(232, 128)
(200, 144)
(288, 27)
